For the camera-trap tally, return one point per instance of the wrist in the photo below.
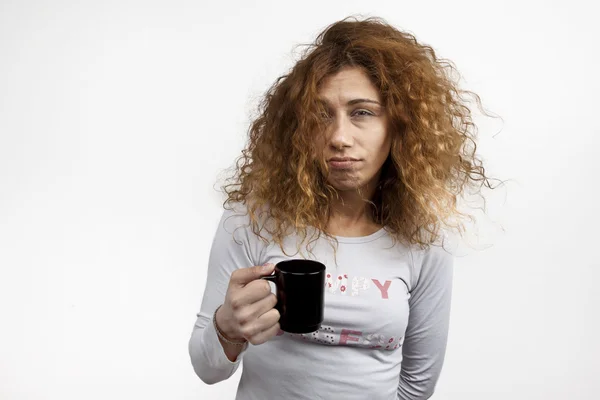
(223, 328)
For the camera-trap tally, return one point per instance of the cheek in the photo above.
(381, 150)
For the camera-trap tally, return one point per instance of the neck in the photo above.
(351, 216)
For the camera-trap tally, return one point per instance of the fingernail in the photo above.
(267, 266)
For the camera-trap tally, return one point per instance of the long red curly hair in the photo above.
(432, 161)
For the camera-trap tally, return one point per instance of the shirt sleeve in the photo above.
(232, 248)
(426, 336)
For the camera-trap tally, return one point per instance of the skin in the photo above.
(248, 311)
(357, 129)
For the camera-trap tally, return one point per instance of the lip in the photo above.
(343, 159)
(342, 162)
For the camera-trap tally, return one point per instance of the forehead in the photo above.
(348, 84)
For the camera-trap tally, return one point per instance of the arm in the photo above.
(211, 361)
(427, 332)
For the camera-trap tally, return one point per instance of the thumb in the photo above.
(243, 276)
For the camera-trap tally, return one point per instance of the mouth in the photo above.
(342, 162)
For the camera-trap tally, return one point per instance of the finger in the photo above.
(265, 335)
(252, 325)
(250, 294)
(247, 316)
(265, 305)
(260, 324)
(243, 276)
(269, 318)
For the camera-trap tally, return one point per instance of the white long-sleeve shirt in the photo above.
(385, 323)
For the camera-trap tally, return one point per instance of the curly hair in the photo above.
(432, 159)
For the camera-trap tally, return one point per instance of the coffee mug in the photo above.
(300, 294)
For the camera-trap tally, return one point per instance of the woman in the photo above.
(357, 160)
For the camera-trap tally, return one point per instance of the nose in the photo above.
(341, 136)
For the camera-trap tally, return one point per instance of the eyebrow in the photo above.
(356, 101)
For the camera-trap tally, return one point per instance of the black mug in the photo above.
(300, 294)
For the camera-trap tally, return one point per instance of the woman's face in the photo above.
(358, 141)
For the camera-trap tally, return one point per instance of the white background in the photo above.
(116, 118)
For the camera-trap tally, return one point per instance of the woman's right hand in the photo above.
(248, 311)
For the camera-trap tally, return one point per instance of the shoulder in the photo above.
(232, 246)
(431, 265)
(234, 215)
(238, 217)
(436, 256)
(236, 232)
(235, 223)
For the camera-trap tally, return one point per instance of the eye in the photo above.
(325, 115)
(363, 113)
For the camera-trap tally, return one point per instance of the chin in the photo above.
(345, 185)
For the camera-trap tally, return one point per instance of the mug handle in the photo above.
(270, 278)
(273, 278)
